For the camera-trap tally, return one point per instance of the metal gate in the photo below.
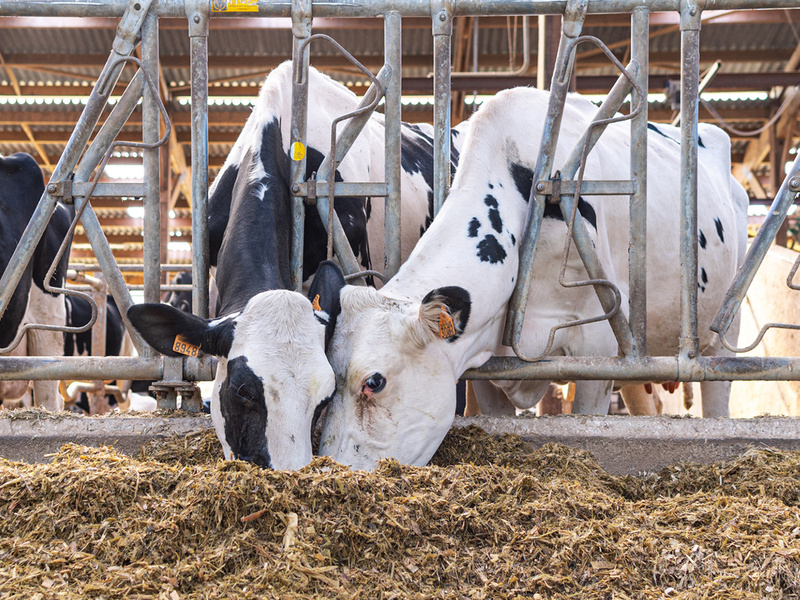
(71, 181)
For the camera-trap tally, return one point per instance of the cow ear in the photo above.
(445, 312)
(176, 333)
(324, 295)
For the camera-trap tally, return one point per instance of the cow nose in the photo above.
(261, 459)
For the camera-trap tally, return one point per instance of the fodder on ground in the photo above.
(488, 519)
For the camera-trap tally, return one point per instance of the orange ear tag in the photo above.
(183, 346)
(447, 328)
(315, 303)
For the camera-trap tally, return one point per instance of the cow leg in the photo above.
(592, 397)
(491, 400)
(715, 396)
(13, 390)
(638, 401)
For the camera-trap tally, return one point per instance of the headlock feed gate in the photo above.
(72, 180)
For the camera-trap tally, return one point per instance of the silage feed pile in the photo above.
(487, 520)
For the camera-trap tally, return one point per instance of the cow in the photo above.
(21, 187)
(182, 300)
(397, 351)
(273, 375)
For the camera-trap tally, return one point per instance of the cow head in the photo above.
(272, 377)
(395, 376)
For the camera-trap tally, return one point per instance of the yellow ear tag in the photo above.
(447, 328)
(298, 151)
(315, 303)
(183, 346)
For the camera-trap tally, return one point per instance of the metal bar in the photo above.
(343, 188)
(301, 31)
(137, 268)
(152, 166)
(393, 56)
(109, 190)
(758, 249)
(442, 17)
(80, 367)
(337, 8)
(197, 14)
(637, 256)
(650, 368)
(621, 187)
(690, 75)
(96, 103)
(559, 86)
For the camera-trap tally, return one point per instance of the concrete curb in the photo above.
(634, 445)
(623, 445)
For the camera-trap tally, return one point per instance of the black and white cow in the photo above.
(273, 374)
(21, 187)
(397, 351)
(183, 300)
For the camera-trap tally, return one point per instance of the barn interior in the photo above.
(749, 60)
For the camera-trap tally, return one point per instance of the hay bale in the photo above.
(176, 522)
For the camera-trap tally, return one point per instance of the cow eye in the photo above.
(375, 383)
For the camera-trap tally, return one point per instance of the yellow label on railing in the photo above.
(234, 5)
(298, 151)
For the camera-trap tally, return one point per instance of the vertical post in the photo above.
(164, 193)
(197, 13)
(152, 165)
(637, 258)
(97, 398)
(301, 30)
(442, 17)
(392, 217)
(690, 77)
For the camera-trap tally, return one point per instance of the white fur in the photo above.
(408, 419)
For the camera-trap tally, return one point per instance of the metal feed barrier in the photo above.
(71, 179)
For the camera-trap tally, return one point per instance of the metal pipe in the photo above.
(301, 31)
(442, 17)
(652, 368)
(197, 14)
(637, 256)
(152, 166)
(393, 55)
(337, 8)
(80, 367)
(690, 75)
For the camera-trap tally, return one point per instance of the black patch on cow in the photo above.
(490, 250)
(652, 127)
(703, 276)
(523, 180)
(702, 239)
(491, 187)
(21, 187)
(474, 226)
(219, 208)
(368, 208)
(513, 239)
(79, 313)
(244, 411)
(326, 288)
(720, 231)
(458, 303)
(700, 142)
(494, 214)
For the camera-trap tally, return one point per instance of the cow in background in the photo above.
(21, 187)
(397, 351)
(273, 375)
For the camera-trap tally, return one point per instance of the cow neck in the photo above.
(451, 255)
(256, 247)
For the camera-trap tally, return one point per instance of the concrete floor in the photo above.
(623, 445)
